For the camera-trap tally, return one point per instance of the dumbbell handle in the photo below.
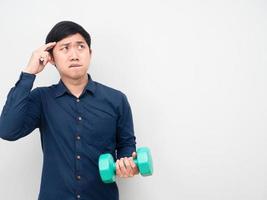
(114, 164)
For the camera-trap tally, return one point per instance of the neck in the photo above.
(76, 86)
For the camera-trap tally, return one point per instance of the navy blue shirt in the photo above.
(74, 132)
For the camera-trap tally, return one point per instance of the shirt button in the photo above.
(78, 100)
(78, 196)
(78, 137)
(78, 157)
(79, 118)
(78, 177)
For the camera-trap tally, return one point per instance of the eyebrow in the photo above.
(66, 44)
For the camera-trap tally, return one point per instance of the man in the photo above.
(79, 119)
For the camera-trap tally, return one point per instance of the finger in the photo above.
(122, 167)
(118, 171)
(128, 167)
(133, 165)
(46, 60)
(48, 46)
(134, 155)
(43, 59)
(43, 54)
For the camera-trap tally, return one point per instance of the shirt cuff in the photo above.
(26, 80)
(126, 151)
(27, 75)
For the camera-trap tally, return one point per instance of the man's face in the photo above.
(72, 56)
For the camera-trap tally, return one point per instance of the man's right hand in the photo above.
(40, 57)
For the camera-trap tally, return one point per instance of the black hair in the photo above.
(64, 29)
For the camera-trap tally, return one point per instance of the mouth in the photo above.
(74, 65)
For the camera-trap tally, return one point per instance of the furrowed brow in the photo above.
(65, 44)
(80, 42)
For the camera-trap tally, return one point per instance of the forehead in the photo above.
(72, 39)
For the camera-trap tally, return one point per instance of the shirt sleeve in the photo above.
(21, 112)
(126, 143)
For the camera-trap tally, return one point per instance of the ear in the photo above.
(90, 51)
(52, 61)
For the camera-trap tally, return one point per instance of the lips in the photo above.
(75, 65)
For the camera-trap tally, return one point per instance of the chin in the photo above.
(74, 74)
(77, 75)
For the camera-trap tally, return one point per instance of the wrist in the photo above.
(29, 71)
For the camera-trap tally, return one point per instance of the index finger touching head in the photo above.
(49, 46)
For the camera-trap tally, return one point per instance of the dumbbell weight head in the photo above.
(144, 161)
(107, 168)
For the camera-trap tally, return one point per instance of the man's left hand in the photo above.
(125, 167)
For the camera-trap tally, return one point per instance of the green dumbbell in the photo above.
(107, 166)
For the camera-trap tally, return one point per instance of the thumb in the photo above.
(134, 154)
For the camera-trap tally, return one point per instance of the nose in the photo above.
(74, 55)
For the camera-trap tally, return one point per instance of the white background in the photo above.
(195, 76)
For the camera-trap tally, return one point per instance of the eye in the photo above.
(64, 48)
(81, 46)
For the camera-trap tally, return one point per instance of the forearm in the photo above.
(126, 150)
(15, 109)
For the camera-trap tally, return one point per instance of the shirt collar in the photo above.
(61, 89)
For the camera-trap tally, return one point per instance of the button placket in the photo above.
(78, 141)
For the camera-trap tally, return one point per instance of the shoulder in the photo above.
(110, 92)
(42, 91)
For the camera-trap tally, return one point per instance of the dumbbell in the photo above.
(107, 166)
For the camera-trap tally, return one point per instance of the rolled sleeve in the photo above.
(126, 143)
(21, 112)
